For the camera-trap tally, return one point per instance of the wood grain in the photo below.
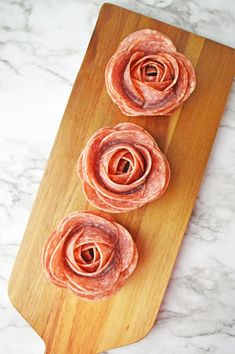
(69, 325)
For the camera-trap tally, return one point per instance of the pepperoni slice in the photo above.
(89, 254)
(122, 168)
(146, 76)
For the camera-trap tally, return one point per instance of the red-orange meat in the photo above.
(122, 168)
(146, 76)
(89, 254)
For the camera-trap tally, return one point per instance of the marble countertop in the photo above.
(42, 44)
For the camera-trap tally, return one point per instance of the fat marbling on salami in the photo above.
(90, 254)
(146, 76)
(122, 168)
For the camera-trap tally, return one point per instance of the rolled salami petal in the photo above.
(146, 76)
(89, 254)
(122, 168)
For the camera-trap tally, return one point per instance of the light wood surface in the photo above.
(70, 325)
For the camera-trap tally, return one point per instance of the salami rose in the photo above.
(146, 76)
(90, 255)
(122, 168)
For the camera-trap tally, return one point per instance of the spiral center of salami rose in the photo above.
(151, 70)
(88, 255)
(124, 165)
(155, 69)
(87, 258)
(84, 254)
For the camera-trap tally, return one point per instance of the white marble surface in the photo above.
(42, 44)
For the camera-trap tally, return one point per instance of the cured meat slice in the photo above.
(146, 76)
(122, 168)
(89, 254)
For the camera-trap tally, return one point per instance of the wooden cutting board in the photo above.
(70, 325)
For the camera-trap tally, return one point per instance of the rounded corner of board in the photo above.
(106, 5)
(10, 292)
(132, 340)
